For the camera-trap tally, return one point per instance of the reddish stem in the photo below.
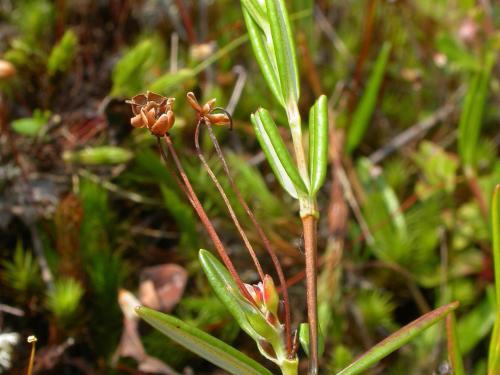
(234, 218)
(263, 237)
(186, 20)
(309, 226)
(195, 202)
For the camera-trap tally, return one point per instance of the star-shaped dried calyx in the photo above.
(205, 111)
(152, 111)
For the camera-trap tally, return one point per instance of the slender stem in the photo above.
(229, 207)
(195, 202)
(31, 340)
(308, 214)
(309, 226)
(263, 237)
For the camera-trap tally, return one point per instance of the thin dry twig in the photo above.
(417, 130)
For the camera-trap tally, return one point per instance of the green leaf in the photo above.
(63, 53)
(102, 155)
(454, 352)
(203, 344)
(228, 292)
(130, 71)
(471, 117)
(31, 126)
(277, 154)
(263, 54)
(318, 143)
(476, 324)
(366, 106)
(494, 351)
(284, 50)
(169, 81)
(304, 339)
(397, 340)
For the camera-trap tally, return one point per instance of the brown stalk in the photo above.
(195, 202)
(229, 207)
(186, 20)
(310, 246)
(263, 237)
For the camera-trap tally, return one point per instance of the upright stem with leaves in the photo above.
(271, 37)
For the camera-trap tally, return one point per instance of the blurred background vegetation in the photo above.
(87, 209)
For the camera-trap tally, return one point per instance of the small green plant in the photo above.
(22, 273)
(258, 308)
(64, 301)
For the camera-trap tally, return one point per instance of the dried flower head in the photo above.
(205, 111)
(152, 111)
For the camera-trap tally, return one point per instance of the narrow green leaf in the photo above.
(494, 352)
(63, 53)
(397, 340)
(29, 126)
(129, 73)
(263, 55)
(284, 49)
(454, 353)
(366, 106)
(304, 339)
(169, 81)
(318, 143)
(471, 117)
(201, 343)
(277, 154)
(476, 324)
(101, 155)
(257, 11)
(226, 289)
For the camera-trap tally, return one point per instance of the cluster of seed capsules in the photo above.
(156, 112)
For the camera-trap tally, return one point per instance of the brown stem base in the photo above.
(309, 227)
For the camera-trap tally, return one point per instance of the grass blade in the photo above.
(454, 353)
(318, 143)
(397, 340)
(201, 343)
(494, 351)
(472, 112)
(284, 50)
(277, 154)
(366, 106)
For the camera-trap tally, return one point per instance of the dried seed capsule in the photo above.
(218, 119)
(137, 121)
(163, 124)
(191, 98)
(208, 106)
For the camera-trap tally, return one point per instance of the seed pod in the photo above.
(163, 124)
(150, 115)
(191, 98)
(218, 119)
(208, 106)
(7, 70)
(137, 121)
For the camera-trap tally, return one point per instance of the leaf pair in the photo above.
(270, 33)
(279, 158)
(248, 316)
(211, 348)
